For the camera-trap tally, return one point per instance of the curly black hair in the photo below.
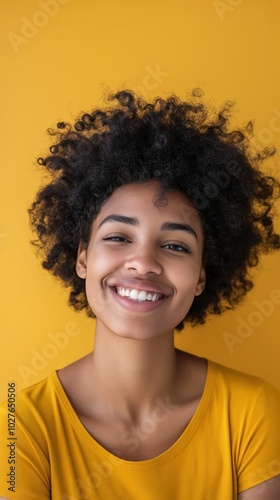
(187, 146)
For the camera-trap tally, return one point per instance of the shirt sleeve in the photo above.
(260, 449)
(24, 468)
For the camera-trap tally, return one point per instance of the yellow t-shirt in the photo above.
(232, 443)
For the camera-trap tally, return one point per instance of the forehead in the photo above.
(143, 200)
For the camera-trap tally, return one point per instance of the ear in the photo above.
(201, 282)
(81, 263)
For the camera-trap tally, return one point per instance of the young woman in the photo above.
(153, 217)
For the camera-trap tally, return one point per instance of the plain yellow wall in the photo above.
(58, 56)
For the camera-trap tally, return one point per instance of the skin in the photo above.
(135, 373)
(135, 364)
(142, 254)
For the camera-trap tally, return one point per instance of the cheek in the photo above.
(99, 265)
(185, 279)
(184, 274)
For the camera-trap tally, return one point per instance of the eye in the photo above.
(115, 237)
(177, 248)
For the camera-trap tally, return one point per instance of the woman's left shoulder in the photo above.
(244, 387)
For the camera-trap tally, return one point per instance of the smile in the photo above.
(139, 295)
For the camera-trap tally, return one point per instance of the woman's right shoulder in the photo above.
(29, 403)
(38, 392)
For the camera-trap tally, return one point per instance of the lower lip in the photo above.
(134, 305)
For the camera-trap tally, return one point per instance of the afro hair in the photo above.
(186, 146)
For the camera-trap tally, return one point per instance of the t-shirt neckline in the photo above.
(168, 454)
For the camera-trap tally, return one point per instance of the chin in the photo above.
(145, 332)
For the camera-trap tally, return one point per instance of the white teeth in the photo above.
(142, 295)
(133, 294)
(138, 295)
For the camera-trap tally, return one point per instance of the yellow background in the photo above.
(58, 57)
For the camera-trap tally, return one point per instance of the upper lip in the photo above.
(139, 284)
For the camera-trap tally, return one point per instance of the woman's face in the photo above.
(143, 265)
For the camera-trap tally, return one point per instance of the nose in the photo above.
(143, 261)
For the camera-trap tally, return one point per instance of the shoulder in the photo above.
(34, 427)
(245, 411)
(34, 405)
(32, 391)
(44, 395)
(221, 377)
(235, 391)
(249, 408)
(240, 385)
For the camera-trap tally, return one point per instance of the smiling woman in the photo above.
(156, 253)
(184, 146)
(145, 204)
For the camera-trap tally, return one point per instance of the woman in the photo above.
(154, 215)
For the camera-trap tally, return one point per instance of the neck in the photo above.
(132, 375)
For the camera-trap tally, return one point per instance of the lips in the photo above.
(138, 286)
(138, 295)
(134, 302)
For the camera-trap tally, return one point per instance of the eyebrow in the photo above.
(133, 221)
